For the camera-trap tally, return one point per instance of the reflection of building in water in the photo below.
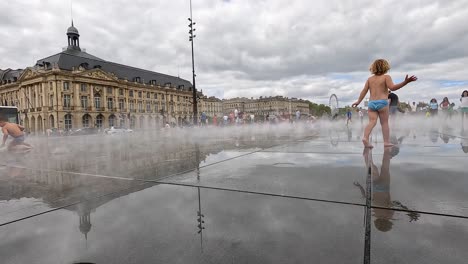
(56, 188)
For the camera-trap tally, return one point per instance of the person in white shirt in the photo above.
(414, 107)
(361, 116)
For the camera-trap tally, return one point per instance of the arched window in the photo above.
(112, 121)
(51, 121)
(99, 121)
(68, 122)
(86, 120)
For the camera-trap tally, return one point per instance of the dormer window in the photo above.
(84, 65)
(137, 79)
(168, 84)
(153, 82)
(181, 87)
(97, 67)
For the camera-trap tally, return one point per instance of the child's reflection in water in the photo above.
(381, 196)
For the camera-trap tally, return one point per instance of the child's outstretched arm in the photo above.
(393, 87)
(363, 93)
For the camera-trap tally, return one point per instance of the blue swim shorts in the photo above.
(18, 140)
(376, 105)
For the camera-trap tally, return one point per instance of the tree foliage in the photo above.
(319, 109)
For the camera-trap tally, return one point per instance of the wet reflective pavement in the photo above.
(272, 197)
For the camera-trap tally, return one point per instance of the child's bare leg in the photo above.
(26, 144)
(383, 116)
(373, 115)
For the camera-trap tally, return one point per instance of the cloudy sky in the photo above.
(297, 48)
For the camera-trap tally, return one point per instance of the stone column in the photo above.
(44, 95)
(104, 97)
(76, 94)
(91, 96)
(58, 96)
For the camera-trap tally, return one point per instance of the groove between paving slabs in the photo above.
(368, 216)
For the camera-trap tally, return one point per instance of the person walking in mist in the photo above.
(464, 108)
(433, 107)
(378, 85)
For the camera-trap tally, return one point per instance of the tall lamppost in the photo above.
(194, 90)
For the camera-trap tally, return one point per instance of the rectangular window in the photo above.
(148, 107)
(51, 100)
(109, 90)
(66, 86)
(83, 87)
(162, 96)
(140, 106)
(110, 103)
(121, 104)
(155, 96)
(132, 105)
(121, 91)
(172, 97)
(130, 93)
(148, 95)
(97, 102)
(66, 100)
(139, 94)
(84, 101)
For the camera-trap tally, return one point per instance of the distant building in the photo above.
(74, 89)
(263, 106)
(211, 106)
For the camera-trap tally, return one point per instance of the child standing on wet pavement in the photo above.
(379, 84)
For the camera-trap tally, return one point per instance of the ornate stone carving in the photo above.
(99, 75)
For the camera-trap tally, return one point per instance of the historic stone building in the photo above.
(263, 106)
(74, 89)
(210, 105)
(239, 103)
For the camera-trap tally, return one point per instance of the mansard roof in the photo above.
(72, 59)
(9, 75)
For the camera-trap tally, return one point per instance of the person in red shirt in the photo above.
(215, 120)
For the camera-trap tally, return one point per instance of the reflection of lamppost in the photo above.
(194, 90)
(200, 215)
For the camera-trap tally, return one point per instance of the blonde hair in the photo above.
(379, 67)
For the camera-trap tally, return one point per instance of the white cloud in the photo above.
(298, 48)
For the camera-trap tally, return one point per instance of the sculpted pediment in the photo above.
(98, 74)
(28, 73)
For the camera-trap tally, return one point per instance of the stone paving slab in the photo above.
(308, 175)
(429, 239)
(159, 225)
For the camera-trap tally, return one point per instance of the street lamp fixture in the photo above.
(194, 89)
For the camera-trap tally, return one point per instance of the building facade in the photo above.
(263, 106)
(239, 103)
(211, 106)
(74, 89)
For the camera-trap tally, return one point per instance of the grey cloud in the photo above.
(254, 48)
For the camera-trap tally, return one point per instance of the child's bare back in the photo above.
(13, 130)
(379, 86)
